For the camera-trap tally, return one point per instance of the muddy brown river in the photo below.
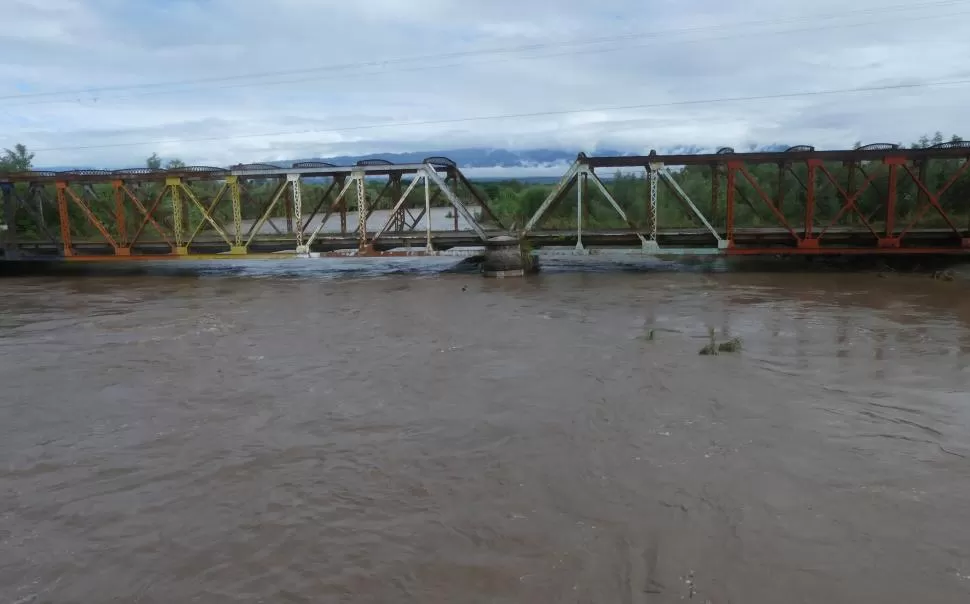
(333, 433)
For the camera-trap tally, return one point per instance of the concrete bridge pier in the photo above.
(507, 256)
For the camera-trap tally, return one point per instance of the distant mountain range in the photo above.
(470, 158)
(474, 158)
(488, 162)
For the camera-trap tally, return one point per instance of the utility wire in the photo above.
(500, 50)
(763, 97)
(426, 67)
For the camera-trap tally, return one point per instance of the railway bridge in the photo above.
(877, 199)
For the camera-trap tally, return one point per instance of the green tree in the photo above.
(154, 162)
(175, 164)
(17, 159)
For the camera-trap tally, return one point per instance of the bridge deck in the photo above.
(686, 241)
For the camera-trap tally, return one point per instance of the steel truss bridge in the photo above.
(877, 199)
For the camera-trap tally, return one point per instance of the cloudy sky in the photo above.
(107, 82)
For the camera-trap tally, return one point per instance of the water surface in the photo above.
(406, 435)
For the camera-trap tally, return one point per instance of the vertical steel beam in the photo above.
(653, 171)
(174, 186)
(235, 197)
(581, 185)
(64, 218)
(296, 192)
(362, 211)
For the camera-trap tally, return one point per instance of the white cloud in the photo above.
(333, 66)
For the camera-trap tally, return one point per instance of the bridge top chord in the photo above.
(314, 169)
(798, 153)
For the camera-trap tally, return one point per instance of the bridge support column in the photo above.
(508, 257)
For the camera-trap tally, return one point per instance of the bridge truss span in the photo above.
(309, 208)
(878, 199)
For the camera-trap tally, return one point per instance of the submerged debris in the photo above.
(733, 345)
(713, 348)
(944, 275)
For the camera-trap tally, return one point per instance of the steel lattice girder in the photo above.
(877, 199)
(811, 202)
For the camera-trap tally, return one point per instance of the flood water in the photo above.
(396, 435)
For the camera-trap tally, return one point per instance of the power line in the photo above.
(763, 97)
(500, 50)
(426, 67)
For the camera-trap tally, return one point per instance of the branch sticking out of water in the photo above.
(711, 348)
